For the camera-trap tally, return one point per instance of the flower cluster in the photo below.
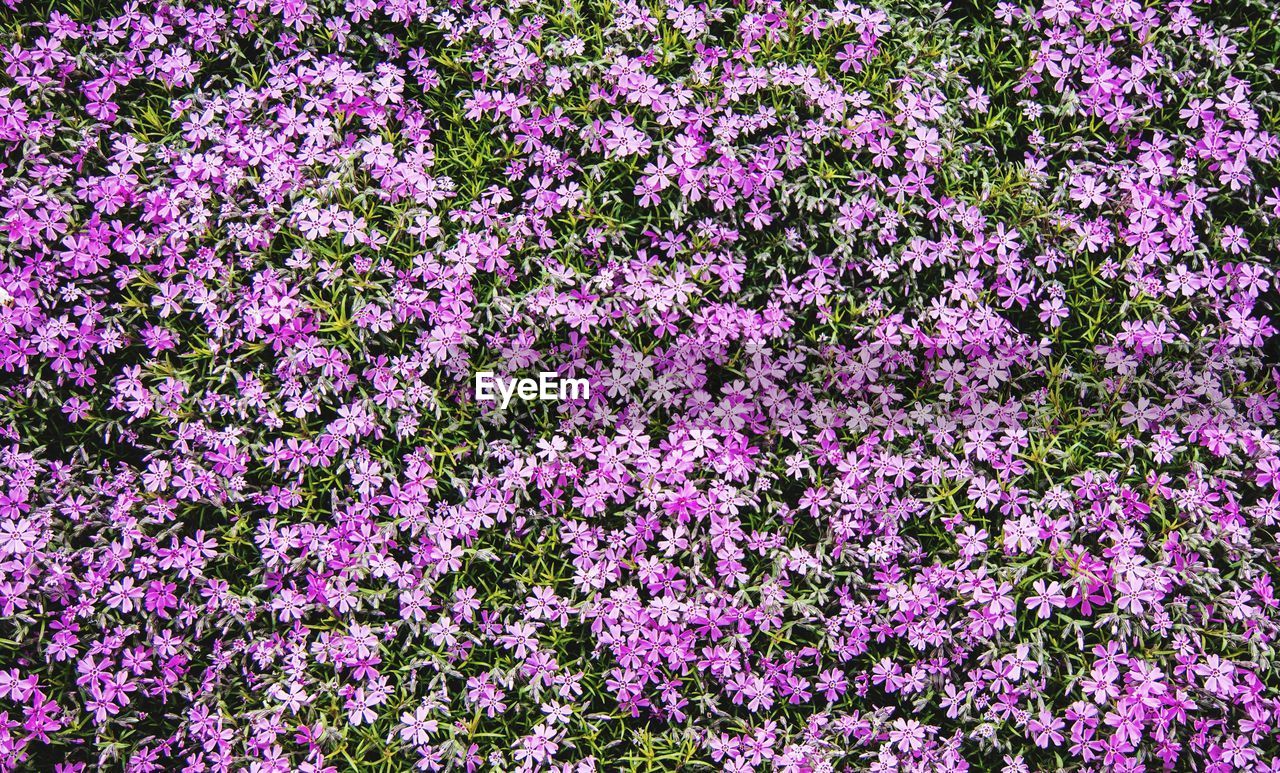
(933, 385)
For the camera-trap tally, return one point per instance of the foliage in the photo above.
(933, 385)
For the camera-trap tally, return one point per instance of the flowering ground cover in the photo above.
(932, 354)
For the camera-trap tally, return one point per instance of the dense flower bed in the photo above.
(933, 385)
